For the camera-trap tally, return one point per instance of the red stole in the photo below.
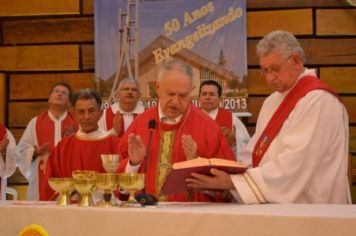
(224, 118)
(109, 121)
(45, 134)
(303, 86)
(2, 131)
(2, 135)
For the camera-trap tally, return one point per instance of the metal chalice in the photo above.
(132, 182)
(108, 183)
(84, 182)
(63, 186)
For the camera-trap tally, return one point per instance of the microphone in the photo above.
(151, 127)
(145, 198)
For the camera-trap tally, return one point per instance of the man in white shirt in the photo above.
(42, 133)
(300, 149)
(8, 158)
(234, 130)
(118, 117)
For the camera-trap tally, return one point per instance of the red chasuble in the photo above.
(224, 118)
(303, 86)
(2, 131)
(2, 135)
(45, 134)
(205, 131)
(73, 153)
(109, 120)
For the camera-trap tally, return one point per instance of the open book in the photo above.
(175, 181)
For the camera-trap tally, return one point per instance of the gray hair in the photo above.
(176, 65)
(86, 94)
(129, 80)
(280, 40)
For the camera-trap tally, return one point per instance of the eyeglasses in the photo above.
(275, 69)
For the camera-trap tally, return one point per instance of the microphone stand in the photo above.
(145, 198)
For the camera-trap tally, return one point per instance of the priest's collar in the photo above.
(213, 113)
(139, 108)
(163, 118)
(54, 118)
(98, 134)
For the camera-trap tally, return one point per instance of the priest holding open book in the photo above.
(173, 131)
(299, 151)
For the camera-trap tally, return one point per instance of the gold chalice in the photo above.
(84, 182)
(131, 183)
(63, 186)
(106, 182)
(110, 162)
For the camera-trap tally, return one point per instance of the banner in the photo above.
(208, 35)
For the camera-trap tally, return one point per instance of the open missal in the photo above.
(175, 181)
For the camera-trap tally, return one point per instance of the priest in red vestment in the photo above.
(181, 132)
(234, 130)
(118, 117)
(82, 150)
(42, 133)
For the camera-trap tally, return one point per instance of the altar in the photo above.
(180, 219)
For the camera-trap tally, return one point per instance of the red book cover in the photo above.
(175, 181)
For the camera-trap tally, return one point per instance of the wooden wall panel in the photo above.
(35, 58)
(38, 7)
(254, 107)
(294, 3)
(256, 84)
(48, 30)
(88, 7)
(336, 22)
(353, 194)
(330, 51)
(2, 98)
(20, 113)
(87, 56)
(252, 59)
(298, 22)
(342, 79)
(353, 140)
(318, 51)
(349, 103)
(37, 86)
(17, 133)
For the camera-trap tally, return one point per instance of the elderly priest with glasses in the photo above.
(299, 152)
(181, 132)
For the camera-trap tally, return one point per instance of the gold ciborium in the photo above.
(63, 186)
(106, 182)
(84, 182)
(131, 183)
(110, 162)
